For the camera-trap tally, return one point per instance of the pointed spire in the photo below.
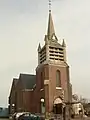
(39, 47)
(63, 43)
(50, 30)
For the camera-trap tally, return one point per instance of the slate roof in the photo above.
(28, 80)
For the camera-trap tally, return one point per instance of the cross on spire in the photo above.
(50, 6)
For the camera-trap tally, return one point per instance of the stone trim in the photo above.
(59, 88)
(27, 90)
(41, 89)
(46, 82)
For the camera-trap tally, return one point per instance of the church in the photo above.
(50, 88)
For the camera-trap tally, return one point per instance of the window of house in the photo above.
(58, 78)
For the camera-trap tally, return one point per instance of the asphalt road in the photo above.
(88, 118)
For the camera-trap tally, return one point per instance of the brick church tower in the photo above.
(52, 72)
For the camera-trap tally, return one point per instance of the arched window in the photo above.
(58, 78)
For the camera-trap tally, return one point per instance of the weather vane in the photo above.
(50, 5)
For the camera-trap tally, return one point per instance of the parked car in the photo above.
(25, 116)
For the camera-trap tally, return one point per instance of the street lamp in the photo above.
(13, 108)
(13, 105)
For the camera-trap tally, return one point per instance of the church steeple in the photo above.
(52, 51)
(50, 31)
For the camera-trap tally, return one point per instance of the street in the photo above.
(88, 118)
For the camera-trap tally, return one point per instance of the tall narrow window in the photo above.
(41, 80)
(58, 78)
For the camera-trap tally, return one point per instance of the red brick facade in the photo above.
(49, 73)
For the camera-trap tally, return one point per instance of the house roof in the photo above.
(28, 80)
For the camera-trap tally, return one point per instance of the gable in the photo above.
(14, 82)
(28, 80)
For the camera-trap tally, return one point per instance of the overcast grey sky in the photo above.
(23, 24)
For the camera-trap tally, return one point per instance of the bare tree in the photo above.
(83, 100)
